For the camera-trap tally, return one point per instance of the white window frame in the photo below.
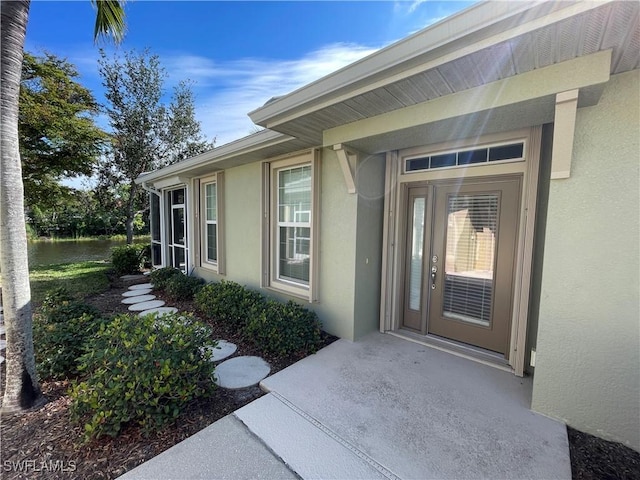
(217, 266)
(271, 226)
(152, 224)
(171, 245)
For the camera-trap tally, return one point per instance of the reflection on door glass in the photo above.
(417, 244)
(472, 221)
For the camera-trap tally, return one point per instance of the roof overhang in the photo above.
(515, 102)
(256, 147)
(486, 43)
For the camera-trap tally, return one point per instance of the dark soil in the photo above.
(593, 458)
(45, 444)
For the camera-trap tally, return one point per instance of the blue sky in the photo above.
(239, 54)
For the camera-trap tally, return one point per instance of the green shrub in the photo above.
(161, 276)
(284, 329)
(127, 259)
(61, 329)
(228, 302)
(183, 287)
(142, 371)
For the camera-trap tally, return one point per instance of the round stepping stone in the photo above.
(141, 286)
(241, 372)
(141, 307)
(223, 350)
(135, 293)
(138, 299)
(160, 311)
(146, 273)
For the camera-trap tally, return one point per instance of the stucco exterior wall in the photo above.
(243, 187)
(338, 217)
(588, 345)
(338, 226)
(370, 173)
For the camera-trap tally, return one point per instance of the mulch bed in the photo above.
(45, 444)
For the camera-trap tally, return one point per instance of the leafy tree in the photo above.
(22, 389)
(58, 135)
(146, 133)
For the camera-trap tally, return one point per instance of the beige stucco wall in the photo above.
(370, 173)
(338, 225)
(588, 345)
(242, 193)
(338, 215)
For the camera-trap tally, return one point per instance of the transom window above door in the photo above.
(511, 152)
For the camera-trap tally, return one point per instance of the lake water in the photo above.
(46, 253)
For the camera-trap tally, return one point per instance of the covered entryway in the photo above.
(459, 259)
(458, 245)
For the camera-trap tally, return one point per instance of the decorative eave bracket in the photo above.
(347, 159)
(563, 132)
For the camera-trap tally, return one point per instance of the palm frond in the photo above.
(110, 19)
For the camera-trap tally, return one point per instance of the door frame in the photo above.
(169, 206)
(396, 184)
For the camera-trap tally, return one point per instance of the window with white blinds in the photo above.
(472, 222)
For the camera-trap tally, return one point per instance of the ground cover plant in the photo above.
(142, 371)
(228, 302)
(48, 434)
(62, 328)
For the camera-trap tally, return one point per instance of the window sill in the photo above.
(210, 267)
(302, 293)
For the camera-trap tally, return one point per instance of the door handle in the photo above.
(434, 270)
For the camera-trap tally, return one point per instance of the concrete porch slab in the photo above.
(225, 449)
(420, 412)
(309, 450)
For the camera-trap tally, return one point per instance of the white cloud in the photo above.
(415, 5)
(227, 91)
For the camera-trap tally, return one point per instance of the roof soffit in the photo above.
(576, 33)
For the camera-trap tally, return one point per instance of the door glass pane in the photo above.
(156, 254)
(177, 197)
(417, 243)
(179, 258)
(178, 226)
(470, 257)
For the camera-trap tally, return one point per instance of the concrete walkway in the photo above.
(381, 407)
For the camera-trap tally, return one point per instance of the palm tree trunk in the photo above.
(22, 390)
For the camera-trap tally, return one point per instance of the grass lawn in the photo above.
(80, 279)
